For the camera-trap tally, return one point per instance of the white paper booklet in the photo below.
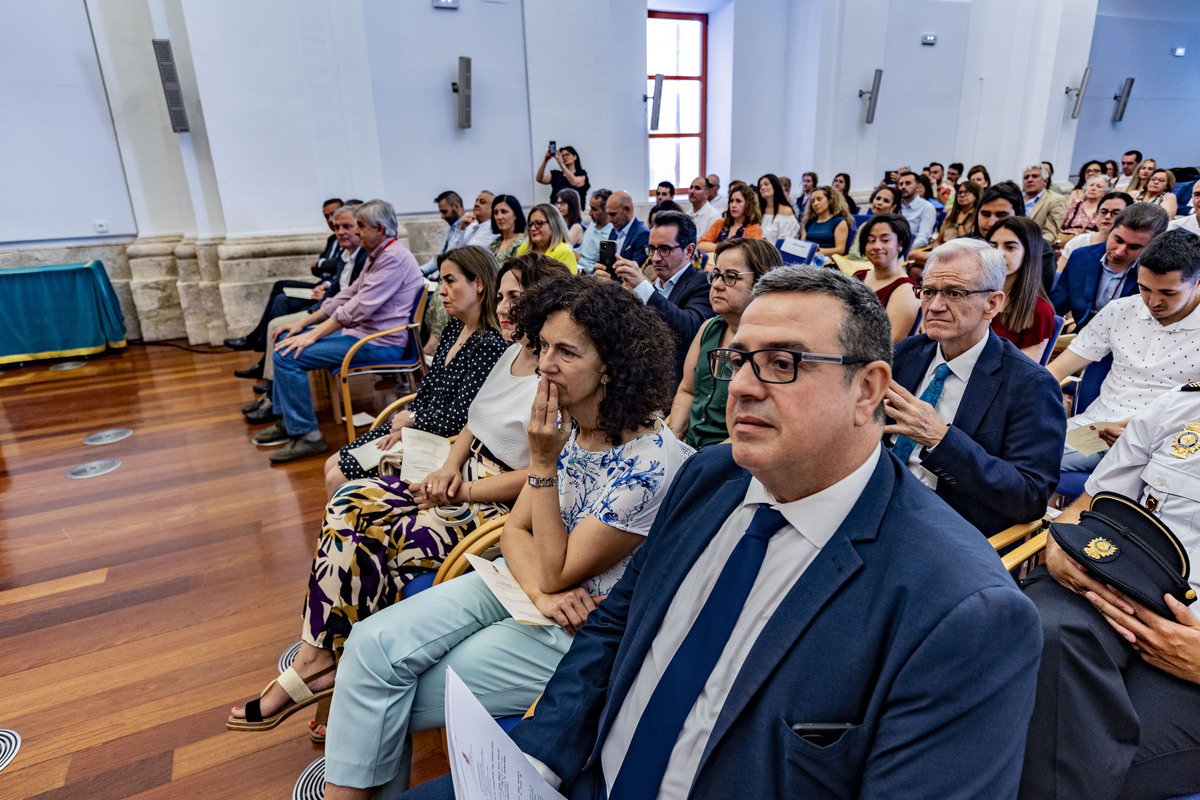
(368, 455)
(1086, 438)
(423, 454)
(485, 763)
(298, 292)
(500, 580)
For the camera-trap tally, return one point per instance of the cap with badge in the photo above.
(1122, 544)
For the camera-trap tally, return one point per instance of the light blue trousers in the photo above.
(391, 679)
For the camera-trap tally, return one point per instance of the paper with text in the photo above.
(500, 581)
(423, 454)
(368, 455)
(298, 292)
(485, 764)
(1086, 438)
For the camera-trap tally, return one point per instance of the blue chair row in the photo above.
(1070, 484)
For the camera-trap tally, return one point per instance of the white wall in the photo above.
(719, 109)
(1160, 119)
(59, 165)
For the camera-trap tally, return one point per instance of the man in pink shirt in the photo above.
(380, 299)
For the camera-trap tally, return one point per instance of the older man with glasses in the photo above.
(679, 292)
(972, 416)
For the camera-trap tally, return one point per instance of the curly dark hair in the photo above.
(636, 346)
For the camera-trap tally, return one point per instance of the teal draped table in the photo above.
(58, 311)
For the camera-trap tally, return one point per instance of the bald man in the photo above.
(715, 198)
(628, 232)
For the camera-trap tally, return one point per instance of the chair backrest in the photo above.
(850, 239)
(796, 251)
(859, 219)
(941, 216)
(1058, 326)
(1089, 385)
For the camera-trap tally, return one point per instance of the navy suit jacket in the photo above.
(325, 266)
(1076, 288)
(636, 240)
(905, 626)
(684, 311)
(999, 462)
(336, 284)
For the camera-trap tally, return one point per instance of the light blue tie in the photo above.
(904, 446)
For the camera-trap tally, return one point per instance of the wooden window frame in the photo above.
(702, 78)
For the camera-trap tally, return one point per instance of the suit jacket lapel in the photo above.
(664, 572)
(683, 286)
(837, 562)
(909, 373)
(981, 388)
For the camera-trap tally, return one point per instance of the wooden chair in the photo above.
(411, 364)
(1032, 540)
(477, 543)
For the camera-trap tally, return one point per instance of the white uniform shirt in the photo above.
(1141, 466)
(953, 389)
(811, 521)
(705, 218)
(1148, 358)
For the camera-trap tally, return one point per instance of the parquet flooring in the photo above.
(137, 606)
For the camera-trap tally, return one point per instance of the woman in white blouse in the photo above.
(779, 218)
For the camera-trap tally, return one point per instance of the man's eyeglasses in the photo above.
(729, 278)
(537, 223)
(951, 295)
(770, 366)
(663, 250)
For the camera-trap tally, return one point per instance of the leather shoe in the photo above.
(238, 343)
(262, 388)
(261, 413)
(254, 373)
(251, 406)
(298, 447)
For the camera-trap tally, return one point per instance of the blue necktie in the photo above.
(903, 446)
(645, 762)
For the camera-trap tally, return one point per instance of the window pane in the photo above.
(674, 160)
(673, 46)
(680, 107)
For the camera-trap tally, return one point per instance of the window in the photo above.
(677, 47)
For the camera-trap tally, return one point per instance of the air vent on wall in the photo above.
(170, 82)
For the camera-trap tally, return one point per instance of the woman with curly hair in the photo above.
(379, 533)
(600, 465)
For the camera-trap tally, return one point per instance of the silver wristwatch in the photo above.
(536, 481)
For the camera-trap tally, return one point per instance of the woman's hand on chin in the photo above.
(547, 437)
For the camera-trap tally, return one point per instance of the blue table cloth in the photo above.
(58, 311)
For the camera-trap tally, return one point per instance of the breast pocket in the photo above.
(833, 770)
(1173, 492)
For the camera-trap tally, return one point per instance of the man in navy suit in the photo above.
(1100, 273)
(679, 292)
(628, 231)
(990, 441)
(876, 649)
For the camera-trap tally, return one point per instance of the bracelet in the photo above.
(470, 484)
(543, 482)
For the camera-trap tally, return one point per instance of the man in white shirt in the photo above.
(1191, 223)
(598, 231)
(717, 200)
(919, 212)
(460, 232)
(703, 211)
(481, 217)
(1129, 163)
(720, 665)
(1154, 341)
(973, 417)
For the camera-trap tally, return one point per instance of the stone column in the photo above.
(248, 267)
(199, 295)
(154, 278)
(210, 288)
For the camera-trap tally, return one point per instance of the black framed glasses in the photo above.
(729, 278)
(537, 223)
(663, 250)
(1108, 212)
(773, 365)
(951, 295)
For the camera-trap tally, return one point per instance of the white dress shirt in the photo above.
(719, 203)
(621, 236)
(644, 289)
(705, 218)
(811, 522)
(482, 234)
(1189, 223)
(1141, 466)
(1149, 358)
(953, 389)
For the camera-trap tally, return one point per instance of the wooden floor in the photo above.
(137, 606)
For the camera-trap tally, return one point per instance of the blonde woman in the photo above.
(548, 235)
(1141, 176)
(1160, 190)
(826, 221)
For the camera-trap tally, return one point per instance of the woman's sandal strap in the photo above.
(291, 682)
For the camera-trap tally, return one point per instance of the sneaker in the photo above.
(275, 434)
(298, 447)
(262, 413)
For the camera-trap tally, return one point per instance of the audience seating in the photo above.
(1070, 484)
(412, 364)
(796, 251)
(1058, 326)
(859, 219)
(1030, 538)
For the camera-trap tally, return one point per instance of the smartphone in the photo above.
(608, 255)
(553, 147)
(889, 177)
(822, 734)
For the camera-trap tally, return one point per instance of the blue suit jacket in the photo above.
(684, 311)
(905, 625)
(636, 240)
(1075, 290)
(999, 462)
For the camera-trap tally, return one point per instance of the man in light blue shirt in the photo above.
(598, 231)
(919, 212)
(459, 234)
